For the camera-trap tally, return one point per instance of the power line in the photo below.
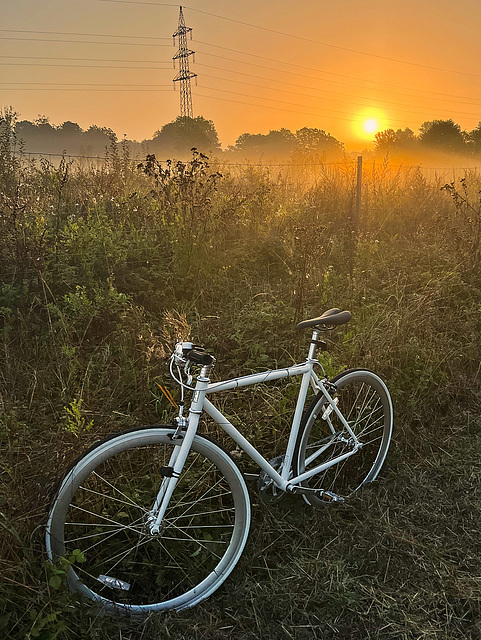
(304, 113)
(75, 66)
(291, 35)
(137, 88)
(397, 105)
(155, 86)
(158, 4)
(452, 98)
(384, 86)
(116, 44)
(217, 46)
(253, 64)
(230, 80)
(205, 53)
(93, 84)
(400, 90)
(65, 86)
(345, 95)
(384, 102)
(96, 35)
(83, 59)
(85, 89)
(303, 105)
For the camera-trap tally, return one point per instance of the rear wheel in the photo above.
(102, 510)
(364, 401)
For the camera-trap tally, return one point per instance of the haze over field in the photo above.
(107, 260)
(349, 69)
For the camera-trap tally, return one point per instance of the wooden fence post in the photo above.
(357, 216)
(355, 219)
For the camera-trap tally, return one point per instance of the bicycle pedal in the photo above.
(330, 496)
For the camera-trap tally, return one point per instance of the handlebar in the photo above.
(198, 357)
(188, 352)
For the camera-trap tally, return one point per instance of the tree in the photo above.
(97, 139)
(443, 135)
(405, 139)
(473, 139)
(276, 143)
(384, 141)
(8, 119)
(69, 136)
(177, 138)
(317, 141)
(390, 141)
(39, 136)
(8, 143)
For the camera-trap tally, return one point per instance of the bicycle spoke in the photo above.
(97, 515)
(103, 495)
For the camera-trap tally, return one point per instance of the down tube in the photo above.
(244, 444)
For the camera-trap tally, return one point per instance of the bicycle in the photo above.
(161, 514)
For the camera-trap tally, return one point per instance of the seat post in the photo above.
(313, 345)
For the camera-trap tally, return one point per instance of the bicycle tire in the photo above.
(101, 508)
(365, 403)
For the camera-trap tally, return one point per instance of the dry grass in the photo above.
(115, 285)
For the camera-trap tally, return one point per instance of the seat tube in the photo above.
(300, 406)
(195, 411)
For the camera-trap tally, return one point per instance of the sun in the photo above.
(370, 126)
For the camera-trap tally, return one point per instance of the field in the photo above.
(105, 266)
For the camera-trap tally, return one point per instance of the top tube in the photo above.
(265, 376)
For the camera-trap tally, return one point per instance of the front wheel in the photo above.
(102, 509)
(364, 401)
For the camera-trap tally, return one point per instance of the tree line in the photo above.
(176, 139)
(434, 135)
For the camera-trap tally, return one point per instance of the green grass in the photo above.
(103, 269)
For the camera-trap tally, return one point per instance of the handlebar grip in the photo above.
(200, 358)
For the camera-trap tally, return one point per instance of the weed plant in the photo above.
(104, 267)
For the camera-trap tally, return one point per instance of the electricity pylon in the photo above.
(185, 74)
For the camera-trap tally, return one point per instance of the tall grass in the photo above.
(103, 268)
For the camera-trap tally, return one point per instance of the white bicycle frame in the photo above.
(200, 403)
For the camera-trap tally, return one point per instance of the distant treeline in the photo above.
(444, 136)
(40, 136)
(176, 139)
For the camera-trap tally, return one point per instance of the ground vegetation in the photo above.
(104, 265)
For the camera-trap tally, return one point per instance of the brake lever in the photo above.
(187, 372)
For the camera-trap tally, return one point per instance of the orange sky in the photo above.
(249, 79)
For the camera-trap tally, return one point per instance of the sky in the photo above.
(333, 65)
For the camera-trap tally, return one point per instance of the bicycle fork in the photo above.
(179, 456)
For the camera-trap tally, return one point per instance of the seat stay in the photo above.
(337, 411)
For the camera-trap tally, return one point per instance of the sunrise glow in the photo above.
(95, 68)
(370, 126)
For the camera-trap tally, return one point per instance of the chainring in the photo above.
(268, 492)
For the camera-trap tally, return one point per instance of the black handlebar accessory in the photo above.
(204, 359)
